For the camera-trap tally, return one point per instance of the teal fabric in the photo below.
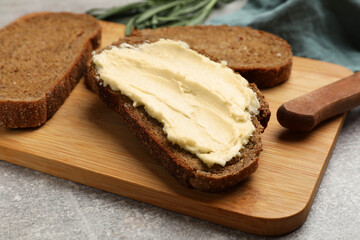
(327, 30)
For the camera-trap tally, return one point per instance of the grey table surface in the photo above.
(34, 205)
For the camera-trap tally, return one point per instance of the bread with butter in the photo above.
(187, 168)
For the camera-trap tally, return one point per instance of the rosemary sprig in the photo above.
(158, 13)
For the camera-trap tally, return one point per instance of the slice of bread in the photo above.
(258, 56)
(42, 57)
(188, 169)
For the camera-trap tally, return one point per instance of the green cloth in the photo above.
(327, 30)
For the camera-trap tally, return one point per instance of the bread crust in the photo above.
(188, 169)
(33, 113)
(260, 57)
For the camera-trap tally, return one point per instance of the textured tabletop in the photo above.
(34, 205)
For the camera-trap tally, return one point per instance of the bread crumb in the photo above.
(278, 54)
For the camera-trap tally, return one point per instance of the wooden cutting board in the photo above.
(87, 143)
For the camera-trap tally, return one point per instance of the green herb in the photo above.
(158, 13)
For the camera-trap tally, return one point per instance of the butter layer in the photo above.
(204, 106)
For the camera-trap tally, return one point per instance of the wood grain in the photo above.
(87, 143)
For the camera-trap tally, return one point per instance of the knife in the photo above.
(305, 112)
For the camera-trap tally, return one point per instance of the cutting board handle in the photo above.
(305, 112)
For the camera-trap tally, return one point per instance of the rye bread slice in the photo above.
(187, 168)
(42, 57)
(258, 56)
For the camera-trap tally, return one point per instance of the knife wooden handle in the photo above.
(305, 112)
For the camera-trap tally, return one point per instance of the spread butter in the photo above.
(204, 106)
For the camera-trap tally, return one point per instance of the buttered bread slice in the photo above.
(196, 116)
